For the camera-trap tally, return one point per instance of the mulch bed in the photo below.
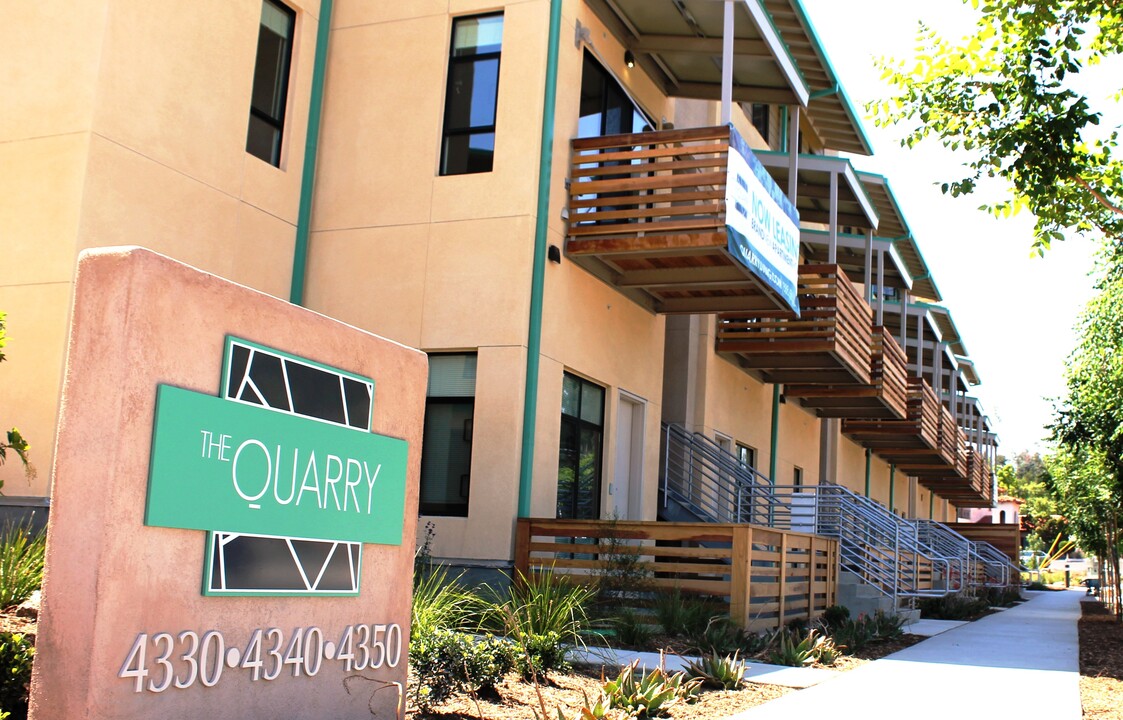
(1101, 662)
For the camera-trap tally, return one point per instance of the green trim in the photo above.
(825, 92)
(775, 443)
(892, 473)
(843, 98)
(538, 274)
(784, 122)
(311, 146)
(868, 454)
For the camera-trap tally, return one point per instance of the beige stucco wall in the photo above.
(125, 123)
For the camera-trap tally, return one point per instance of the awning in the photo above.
(893, 226)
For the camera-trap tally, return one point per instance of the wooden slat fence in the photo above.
(765, 577)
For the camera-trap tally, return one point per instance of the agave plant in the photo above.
(796, 652)
(645, 694)
(726, 672)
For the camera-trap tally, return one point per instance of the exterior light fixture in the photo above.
(629, 59)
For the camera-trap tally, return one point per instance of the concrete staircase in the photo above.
(861, 598)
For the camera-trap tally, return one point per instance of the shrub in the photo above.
(854, 634)
(679, 615)
(21, 564)
(836, 615)
(632, 629)
(720, 636)
(16, 654)
(446, 662)
(953, 607)
(543, 613)
(725, 672)
(887, 626)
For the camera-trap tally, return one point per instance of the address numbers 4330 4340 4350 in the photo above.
(159, 661)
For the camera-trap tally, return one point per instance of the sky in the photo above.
(1015, 311)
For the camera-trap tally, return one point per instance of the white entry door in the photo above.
(628, 474)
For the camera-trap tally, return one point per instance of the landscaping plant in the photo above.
(647, 694)
(447, 662)
(16, 654)
(725, 672)
(795, 649)
(21, 564)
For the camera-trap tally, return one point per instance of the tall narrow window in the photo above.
(797, 477)
(468, 145)
(446, 447)
(580, 449)
(270, 82)
(761, 114)
(746, 456)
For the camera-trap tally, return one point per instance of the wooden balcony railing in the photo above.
(974, 488)
(902, 441)
(829, 343)
(766, 578)
(647, 214)
(885, 397)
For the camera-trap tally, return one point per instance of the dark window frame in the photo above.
(447, 130)
(458, 509)
(577, 423)
(277, 123)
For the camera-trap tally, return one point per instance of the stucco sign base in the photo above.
(125, 630)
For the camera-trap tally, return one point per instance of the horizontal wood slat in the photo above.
(764, 577)
(655, 201)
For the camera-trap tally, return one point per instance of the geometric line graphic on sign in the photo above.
(272, 565)
(250, 564)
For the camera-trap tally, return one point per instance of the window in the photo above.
(605, 108)
(746, 456)
(446, 449)
(580, 449)
(797, 477)
(760, 119)
(468, 145)
(270, 82)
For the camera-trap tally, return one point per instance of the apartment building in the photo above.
(532, 192)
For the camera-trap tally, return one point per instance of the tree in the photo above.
(1088, 467)
(15, 441)
(1006, 95)
(1029, 480)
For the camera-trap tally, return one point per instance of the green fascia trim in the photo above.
(843, 98)
(311, 146)
(806, 90)
(775, 442)
(538, 273)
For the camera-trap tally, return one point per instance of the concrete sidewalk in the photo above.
(1019, 663)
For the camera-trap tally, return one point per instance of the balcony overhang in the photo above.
(894, 227)
(679, 45)
(851, 255)
(814, 178)
(647, 215)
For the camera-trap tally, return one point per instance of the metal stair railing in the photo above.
(874, 543)
(710, 481)
(883, 549)
(998, 569)
(961, 553)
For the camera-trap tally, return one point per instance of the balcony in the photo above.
(647, 215)
(912, 439)
(885, 397)
(973, 489)
(829, 343)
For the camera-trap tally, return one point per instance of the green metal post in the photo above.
(311, 146)
(775, 434)
(892, 483)
(538, 270)
(868, 472)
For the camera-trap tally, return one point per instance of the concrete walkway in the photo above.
(1021, 663)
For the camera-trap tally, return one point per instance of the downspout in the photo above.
(931, 505)
(538, 269)
(311, 146)
(775, 434)
(867, 472)
(892, 472)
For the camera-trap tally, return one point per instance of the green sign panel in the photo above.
(233, 467)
